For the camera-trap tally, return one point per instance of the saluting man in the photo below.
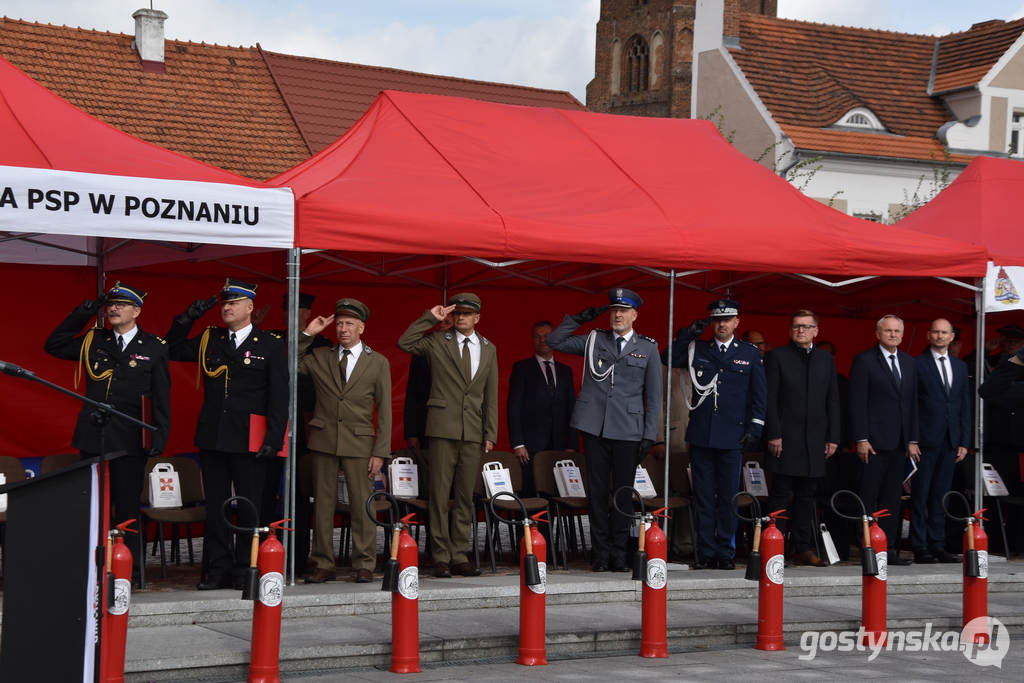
(617, 412)
(351, 380)
(242, 421)
(462, 421)
(127, 368)
(727, 414)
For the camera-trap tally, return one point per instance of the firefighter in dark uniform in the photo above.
(126, 368)
(617, 413)
(727, 414)
(242, 420)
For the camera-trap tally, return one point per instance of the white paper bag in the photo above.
(342, 487)
(753, 479)
(569, 480)
(3, 496)
(829, 545)
(164, 486)
(404, 478)
(994, 485)
(496, 478)
(642, 483)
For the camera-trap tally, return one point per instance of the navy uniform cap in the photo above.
(235, 290)
(723, 308)
(1011, 331)
(467, 301)
(624, 298)
(351, 308)
(122, 293)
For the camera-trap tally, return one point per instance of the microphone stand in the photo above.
(100, 417)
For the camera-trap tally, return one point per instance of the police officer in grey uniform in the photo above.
(727, 414)
(617, 412)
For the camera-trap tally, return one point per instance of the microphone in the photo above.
(12, 369)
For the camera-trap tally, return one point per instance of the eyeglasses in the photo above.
(804, 328)
(119, 304)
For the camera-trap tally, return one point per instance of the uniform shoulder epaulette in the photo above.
(273, 334)
(650, 339)
(746, 343)
(159, 339)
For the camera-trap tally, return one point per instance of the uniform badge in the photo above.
(367, 350)
(255, 339)
(96, 365)
(600, 363)
(448, 336)
(739, 361)
(132, 363)
(618, 293)
(246, 361)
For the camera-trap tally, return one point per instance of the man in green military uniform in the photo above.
(351, 380)
(462, 421)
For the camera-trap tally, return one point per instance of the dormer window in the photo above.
(860, 118)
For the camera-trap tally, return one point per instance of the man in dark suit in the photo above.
(1003, 390)
(541, 394)
(242, 421)
(884, 424)
(727, 415)
(126, 367)
(943, 396)
(802, 426)
(617, 412)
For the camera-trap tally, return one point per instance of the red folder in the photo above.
(258, 431)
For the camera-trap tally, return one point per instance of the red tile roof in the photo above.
(217, 104)
(965, 57)
(327, 97)
(871, 144)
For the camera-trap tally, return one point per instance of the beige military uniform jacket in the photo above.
(456, 409)
(342, 422)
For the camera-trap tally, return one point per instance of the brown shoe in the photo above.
(322, 574)
(809, 558)
(441, 571)
(363, 576)
(465, 569)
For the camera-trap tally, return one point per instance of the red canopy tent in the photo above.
(426, 174)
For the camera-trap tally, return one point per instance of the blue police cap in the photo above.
(624, 298)
(235, 290)
(122, 293)
(723, 308)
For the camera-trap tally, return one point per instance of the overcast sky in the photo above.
(542, 43)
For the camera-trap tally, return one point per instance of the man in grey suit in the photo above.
(617, 412)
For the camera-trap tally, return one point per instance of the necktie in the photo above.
(344, 366)
(721, 349)
(620, 342)
(467, 362)
(945, 377)
(120, 343)
(895, 368)
(548, 376)
(234, 344)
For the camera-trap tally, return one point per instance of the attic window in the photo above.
(860, 118)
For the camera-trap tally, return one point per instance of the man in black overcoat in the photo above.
(802, 426)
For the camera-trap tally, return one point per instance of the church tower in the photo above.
(644, 54)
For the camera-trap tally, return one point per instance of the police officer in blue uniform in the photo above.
(726, 415)
(617, 412)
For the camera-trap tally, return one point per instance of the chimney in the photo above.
(149, 39)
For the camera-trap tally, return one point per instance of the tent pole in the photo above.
(101, 280)
(290, 468)
(668, 383)
(979, 404)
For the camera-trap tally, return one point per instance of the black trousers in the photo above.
(801, 515)
(611, 464)
(126, 480)
(881, 486)
(220, 471)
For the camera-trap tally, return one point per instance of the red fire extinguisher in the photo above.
(770, 586)
(654, 612)
(874, 568)
(119, 594)
(265, 653)
(975, 562)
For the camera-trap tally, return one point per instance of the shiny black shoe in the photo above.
(617, 565)
(923, 556)
(896, 560)
(725, 563)
(947, 558)
(599, 566)
(705, 564)
(213, 584)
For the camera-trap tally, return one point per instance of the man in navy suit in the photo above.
(945, 416)
(541, 395)
(884, 424)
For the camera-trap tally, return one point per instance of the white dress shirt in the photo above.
(127, 336)
(240, 335)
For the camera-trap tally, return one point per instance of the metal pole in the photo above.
(294, 256)
(979, 404)
(668, 381)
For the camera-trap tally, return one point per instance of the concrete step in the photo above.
(342, 598)
(219, 651)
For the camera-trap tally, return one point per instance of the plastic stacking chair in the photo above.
(568, 510)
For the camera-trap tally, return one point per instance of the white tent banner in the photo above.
(34, 200)
(1003, 288)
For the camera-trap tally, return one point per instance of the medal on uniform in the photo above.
(600, 362)
(132, 363)
(247, 360)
